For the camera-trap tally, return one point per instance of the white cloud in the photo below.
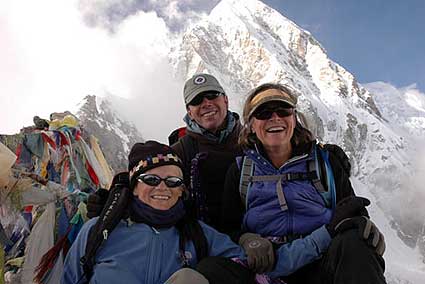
(177, 14)
(51, 60)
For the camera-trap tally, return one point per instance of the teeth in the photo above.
(277, 128)
(211, 113)
(161, 197)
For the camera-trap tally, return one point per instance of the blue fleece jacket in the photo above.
(138, 253)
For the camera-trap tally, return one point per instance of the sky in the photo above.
(53, 53)
(375, 40)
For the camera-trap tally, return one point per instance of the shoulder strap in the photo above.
(112, 213)
(314, 166)
(190, 149)
(247, 168)
(323, 180)
(319, 172)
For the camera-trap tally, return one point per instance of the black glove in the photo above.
(351, 206)
(96, 201)
(367, 231)
(259, 251)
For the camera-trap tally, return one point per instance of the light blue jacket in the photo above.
(138, 253)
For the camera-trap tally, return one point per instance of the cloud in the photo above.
(51, 59)
(404, 109)
(177, 14)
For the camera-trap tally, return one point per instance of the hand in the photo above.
(367, 231)
(96, 201)
(348, 207)
(259, 251)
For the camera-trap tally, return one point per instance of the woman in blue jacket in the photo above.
(150, 238)
(317, 231)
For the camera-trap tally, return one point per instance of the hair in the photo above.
(301, 137)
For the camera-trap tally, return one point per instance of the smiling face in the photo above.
(275, 132)
(210, 114)
(160, 197)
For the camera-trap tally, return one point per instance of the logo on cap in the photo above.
(199, 80)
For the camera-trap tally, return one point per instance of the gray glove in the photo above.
(259, 251)
(367, 231)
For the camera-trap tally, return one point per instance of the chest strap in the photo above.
(247, 178)
(283, 177)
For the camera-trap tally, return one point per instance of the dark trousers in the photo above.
(349, 260)
(220, 270)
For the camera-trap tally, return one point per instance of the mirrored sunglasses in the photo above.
(199, 98)
(266, 113)
(154, 180)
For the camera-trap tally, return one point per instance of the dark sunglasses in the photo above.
(154, 180)
(266, 113)
(199, 98)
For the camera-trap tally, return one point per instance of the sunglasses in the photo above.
(154, 180)
(199, 98)
(266, 113)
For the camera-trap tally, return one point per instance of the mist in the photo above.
(51, 59)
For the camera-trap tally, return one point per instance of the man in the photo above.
(209, 146)
(207, 149)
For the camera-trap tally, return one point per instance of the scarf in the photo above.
(231, 121)
(141, 212)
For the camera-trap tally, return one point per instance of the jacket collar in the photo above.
(232, 121)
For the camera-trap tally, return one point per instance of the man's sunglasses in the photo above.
(266, 113)
(154, 180)
(199, 98)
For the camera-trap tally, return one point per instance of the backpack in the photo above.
(319, 171)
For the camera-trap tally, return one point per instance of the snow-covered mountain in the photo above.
(245, 43)
(116, 135)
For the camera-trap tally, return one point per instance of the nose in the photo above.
(274, 116)
(205, 102)
(162, 185)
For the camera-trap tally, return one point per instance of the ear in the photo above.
(226, 101)
(189, 112)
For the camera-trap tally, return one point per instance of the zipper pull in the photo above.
(155, 230)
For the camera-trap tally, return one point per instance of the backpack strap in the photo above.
(319, 171)
(330, 194)
(323, 180)
(247, 170)
(112, 213)
(190, 149)
(313, 166)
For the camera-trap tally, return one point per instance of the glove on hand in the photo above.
(348, 207)
(96, 201)
(259, 251)
(367, 231)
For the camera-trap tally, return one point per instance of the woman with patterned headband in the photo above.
(145, 236)
(294, 200)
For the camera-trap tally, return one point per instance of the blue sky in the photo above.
(375, 40)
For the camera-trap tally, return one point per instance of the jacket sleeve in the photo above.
(73, 271)
(220, 244)
(232, 210)
(296, 254)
